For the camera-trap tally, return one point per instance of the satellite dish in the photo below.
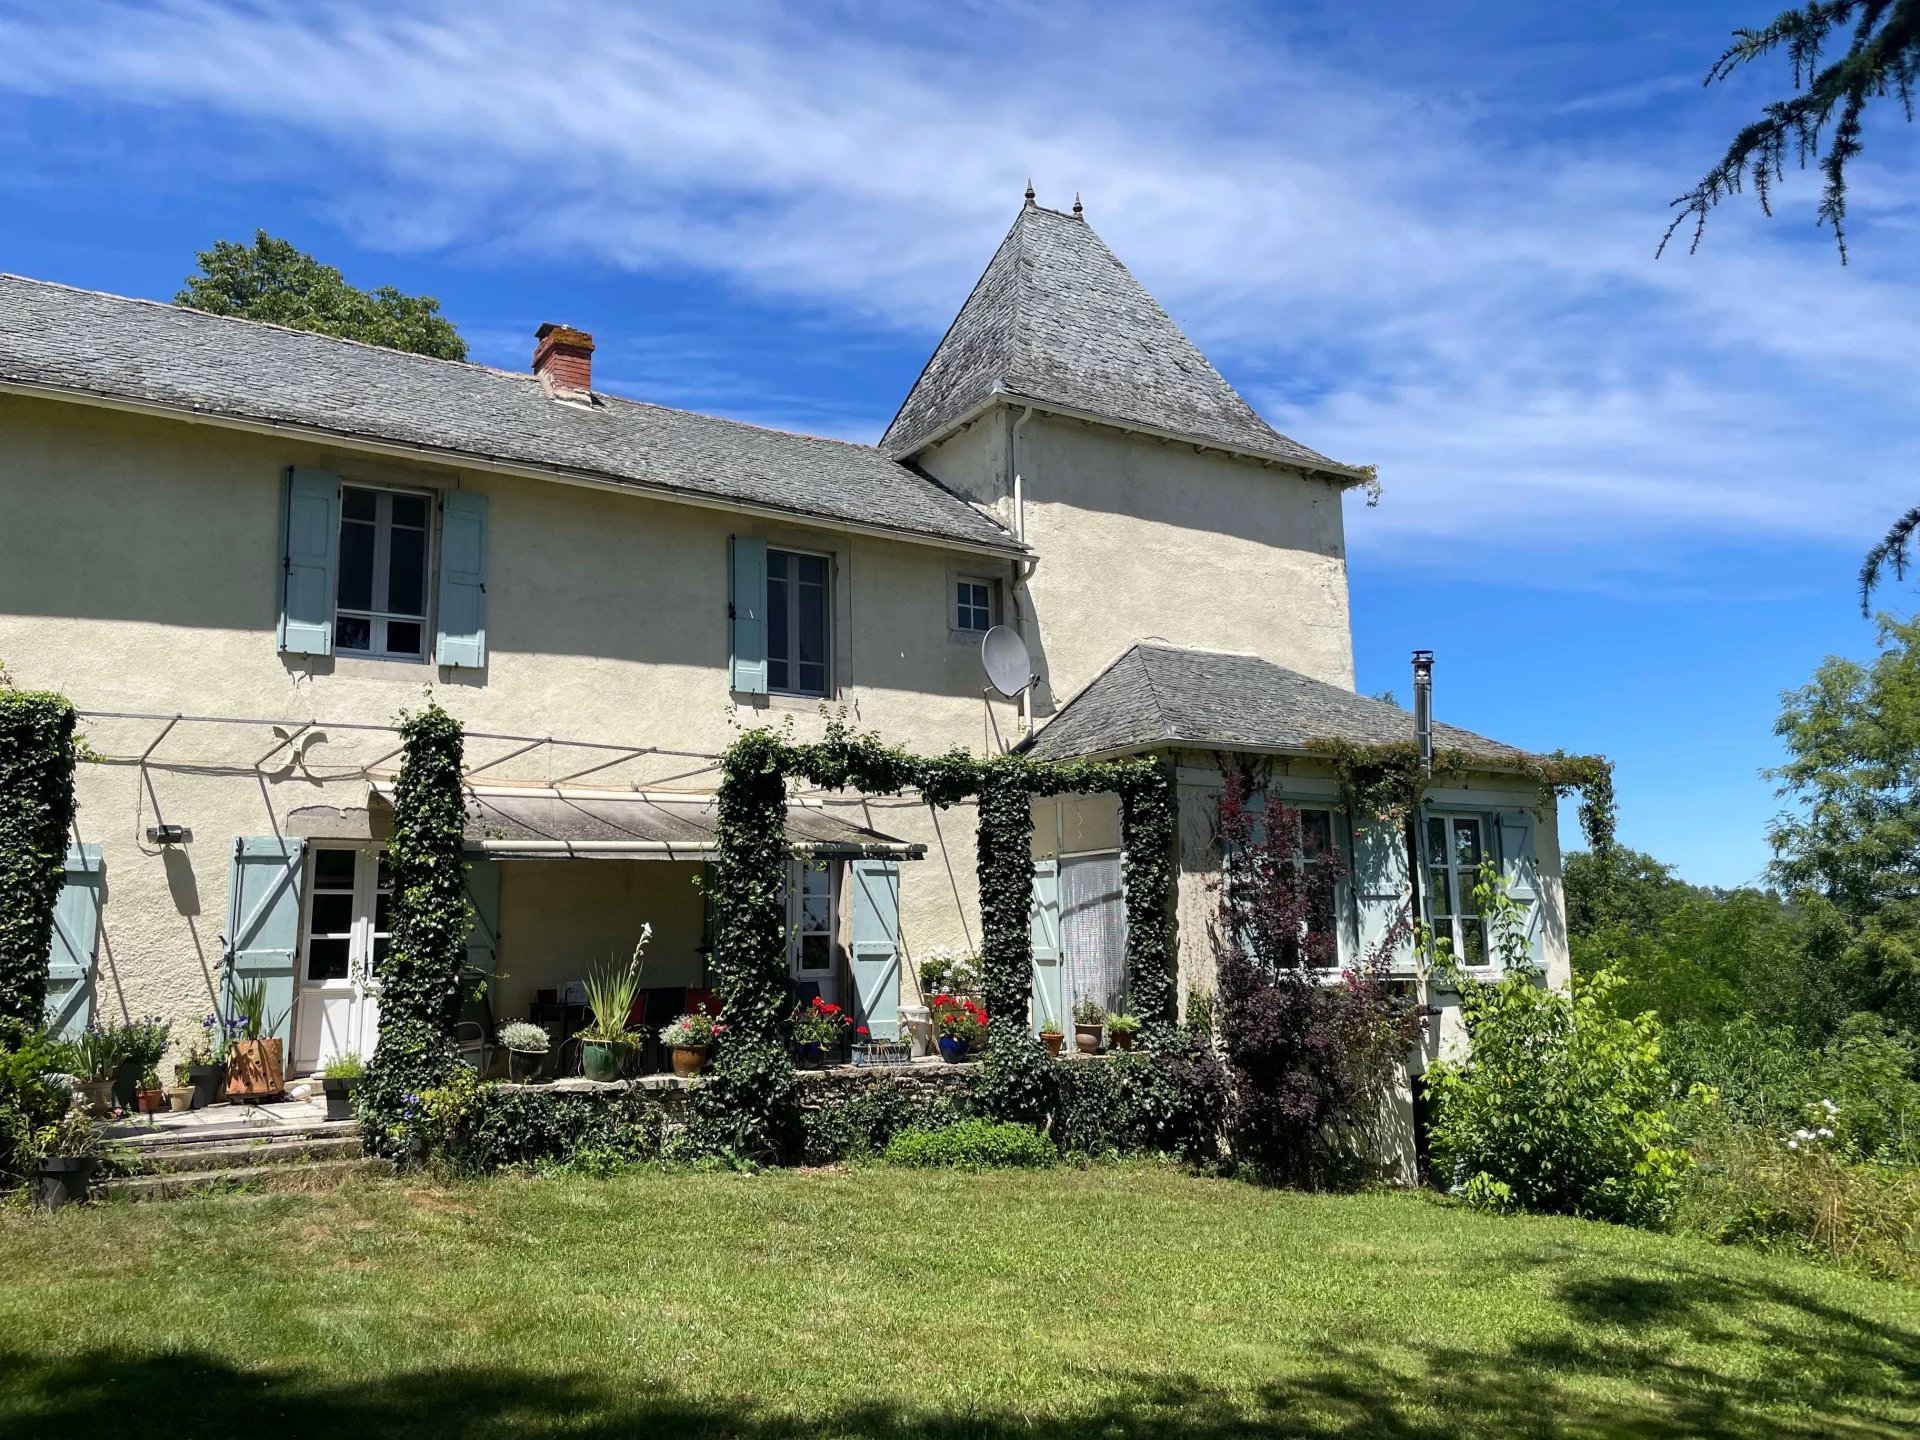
(1004, 654)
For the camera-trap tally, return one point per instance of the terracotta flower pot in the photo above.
(255, 1070)
(1053, 1040)
(1086, 1039)
(689, 1060)
(150, 1102)
(1123, 1039)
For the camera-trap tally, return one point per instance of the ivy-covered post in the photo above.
(1149, 836)
(37, 753)
(421, 986)
(748, 1107)
(1019, 1080)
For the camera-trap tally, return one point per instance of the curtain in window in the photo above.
(1093, 930)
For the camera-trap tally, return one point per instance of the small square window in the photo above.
(973, 606)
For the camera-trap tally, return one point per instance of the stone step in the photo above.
(238, 1132)
(314, 1175)
(252, 1153)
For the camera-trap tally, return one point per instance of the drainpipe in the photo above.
(1023, 569)
(1423, 737)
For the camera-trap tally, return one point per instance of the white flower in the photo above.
(1803, 1135)
(1825, 1134)
(1793, 1144)
(1829, 1106)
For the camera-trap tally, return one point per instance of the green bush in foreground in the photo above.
(1558, 1107)
(972, 1145)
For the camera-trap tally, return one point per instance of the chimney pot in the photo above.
(563, 358)
(1423, 708)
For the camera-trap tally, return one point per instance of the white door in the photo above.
(810, 912)
(337, 1010)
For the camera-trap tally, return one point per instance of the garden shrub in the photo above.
(37, 754)
(35, 1074)
(976, 1144)
(1171, 1100)
(863, 1123)
(1558, 1106)
(1753, 1186)
(1311, 1062)
(476, 1129)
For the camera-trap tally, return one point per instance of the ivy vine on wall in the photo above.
(37, 754)
(421, 986)
(748, 1109)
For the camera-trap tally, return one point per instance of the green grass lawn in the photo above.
(1112, 1303)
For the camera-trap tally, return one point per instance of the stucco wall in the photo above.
(1138, 537)
(139, 563)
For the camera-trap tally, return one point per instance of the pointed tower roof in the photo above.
(1058, 321)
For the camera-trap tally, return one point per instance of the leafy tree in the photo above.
(1821, 121)
(1623, 887)
(1852, 842)
(271, 280)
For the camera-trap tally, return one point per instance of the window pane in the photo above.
(779, 651)
(1466, 843)
(407, 573)
(1441, 897)
(383, 913)
(813, 625)
(1473, 946)
(333, 869)
(816, 910)
(777, 565)
(1316, 833)
(403, 637)
(816, 954)
(358, 504)
(381, 945)
(383, 878)
(1437, 841)
(356, 566)
(332, 913)
(410, 510)
(811, 569)
(327, 959)
(353, 632)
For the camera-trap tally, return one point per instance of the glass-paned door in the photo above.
(337, 1008)
(810, 911)
(1093, 931)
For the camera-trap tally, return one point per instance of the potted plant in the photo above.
(97, 1052)
(818, 1027)
(945, 971)
(206, 1060)
(526, 1045)
(340, 1077)
(1121, 1028)
(689, 1039)
(1051, 1035)
(961, 1026)
(1089, 1016)
(180, 1093)
(64, 1159)
(605, 1042)
(256, 1067)
(150, 1097)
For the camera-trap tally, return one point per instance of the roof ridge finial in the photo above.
(1076, 206)
(1030, 190)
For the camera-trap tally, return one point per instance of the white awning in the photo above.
(521, 822)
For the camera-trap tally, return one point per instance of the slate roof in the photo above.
(1057, 319)
(163, 355)
(1159, 695)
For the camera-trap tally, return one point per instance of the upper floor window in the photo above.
(1456, 846)
(381, 602)
(973, 605)
(799, 622)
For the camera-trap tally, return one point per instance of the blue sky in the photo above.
(1625, 497)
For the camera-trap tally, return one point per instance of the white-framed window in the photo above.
(973, 605)
(386, 539)
(1456, 845)
(810, 910)
(799, 622)
(1318, 847)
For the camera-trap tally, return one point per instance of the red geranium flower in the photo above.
(861, 1031)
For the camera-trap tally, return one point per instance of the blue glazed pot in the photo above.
(952, 1049)
(809, 1053)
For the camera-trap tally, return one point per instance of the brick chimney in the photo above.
(563, 358)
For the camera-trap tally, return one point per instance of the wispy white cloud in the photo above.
(1393, 279)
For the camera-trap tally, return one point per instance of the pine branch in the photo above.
(1894, 552)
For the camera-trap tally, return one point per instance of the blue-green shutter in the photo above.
(462, 629)
(1382, 889)
(309, 561)
(76, 937)
(1049, 975)
(1520, 867)
(747, 617)
(876, 947)
(483, 937)
(263, 921)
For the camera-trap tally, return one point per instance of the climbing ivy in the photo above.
(37, 753)
(420, 978)
(748, 1108)
(1384, 781)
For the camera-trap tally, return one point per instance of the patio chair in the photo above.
(473, 1033)
(664, 1005)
